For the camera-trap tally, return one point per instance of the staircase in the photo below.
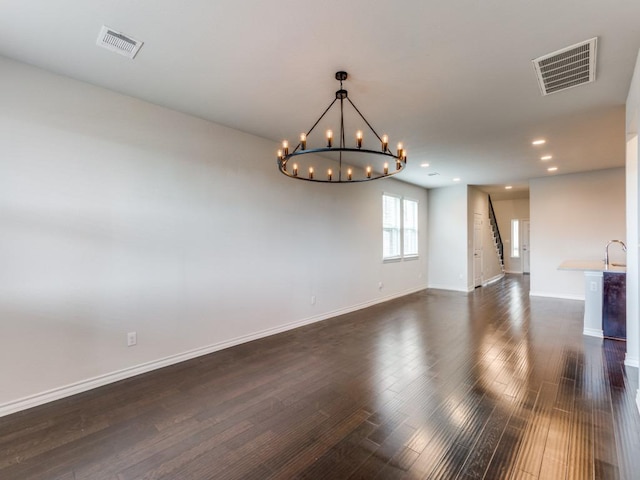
(497, 239)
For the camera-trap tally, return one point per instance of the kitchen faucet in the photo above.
(606, 250)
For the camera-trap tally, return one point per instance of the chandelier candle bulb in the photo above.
(341, 155)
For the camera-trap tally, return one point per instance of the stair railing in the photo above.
(496, 231)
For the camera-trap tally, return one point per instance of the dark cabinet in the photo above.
(614, 305)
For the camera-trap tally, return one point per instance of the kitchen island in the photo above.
(597, 299)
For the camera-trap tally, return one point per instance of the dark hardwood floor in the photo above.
(491, 384)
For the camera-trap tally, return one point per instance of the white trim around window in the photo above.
(399, 228)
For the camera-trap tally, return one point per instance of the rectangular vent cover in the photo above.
(118, 42)
(567, 68)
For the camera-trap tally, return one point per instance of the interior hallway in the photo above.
(438, 384)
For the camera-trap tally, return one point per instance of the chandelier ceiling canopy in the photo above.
(364, 158)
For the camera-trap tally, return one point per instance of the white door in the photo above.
(477, 249)
(525, 246)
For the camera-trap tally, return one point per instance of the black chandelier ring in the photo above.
(293, 171)
(341, 171)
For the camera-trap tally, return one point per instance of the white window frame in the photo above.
(391, 228)
(400, 229)
(407, 229)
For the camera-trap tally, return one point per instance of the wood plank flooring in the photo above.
(442, 385)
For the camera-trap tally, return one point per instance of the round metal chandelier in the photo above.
(341, 163)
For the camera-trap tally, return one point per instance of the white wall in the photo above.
(505, 211)
(633, 230)
(447, 237)
(633, 241)
(118, 216)
(491, 268)
(572, 218)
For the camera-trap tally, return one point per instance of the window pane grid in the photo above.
(399, 227)
(390, 226)
(410, 242)
(391, 243)
(410, 227)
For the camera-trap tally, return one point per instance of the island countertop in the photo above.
(591, 266)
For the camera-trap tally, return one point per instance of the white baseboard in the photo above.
(101, 380)
(556, 295)
(631, 361)
(593, 332)
(513, 271)
(441, 286)
(493, 279)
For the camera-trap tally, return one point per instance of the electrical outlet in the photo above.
(380, 285)
(313, 299)
(132, 339)
(594, 287)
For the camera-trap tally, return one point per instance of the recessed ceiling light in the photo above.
(552, 169)
(540, 141)
(508, 187)
(546, 157)
(424, 164)
(457, 179)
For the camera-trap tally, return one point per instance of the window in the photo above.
(410, 227)
(391, 227)
(515, 238)
(399, 227)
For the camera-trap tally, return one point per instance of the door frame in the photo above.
(477, 249)
(525, 235)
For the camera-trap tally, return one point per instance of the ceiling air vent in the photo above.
(118, 42)
(567, 68)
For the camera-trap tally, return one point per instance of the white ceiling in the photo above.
(452, 80)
